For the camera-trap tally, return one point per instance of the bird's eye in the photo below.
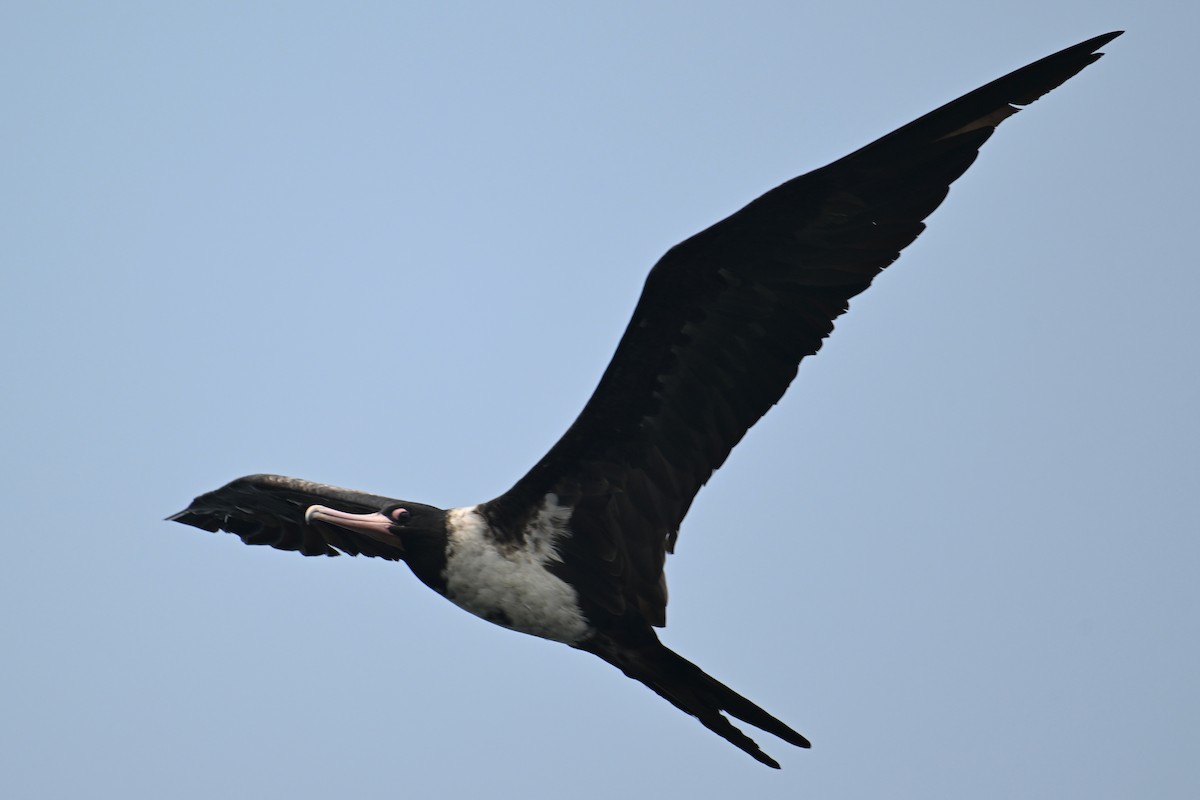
(401, 515)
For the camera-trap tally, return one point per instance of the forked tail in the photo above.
(690, 689)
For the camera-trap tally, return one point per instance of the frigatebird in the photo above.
(574, 551)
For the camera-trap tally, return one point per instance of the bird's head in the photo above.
(403, 525)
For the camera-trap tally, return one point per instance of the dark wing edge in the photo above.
(989, 105)
(721, 326)
(269, 510)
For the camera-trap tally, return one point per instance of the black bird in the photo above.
(574, 551)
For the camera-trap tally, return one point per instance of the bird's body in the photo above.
(574, 551)
(513, 584)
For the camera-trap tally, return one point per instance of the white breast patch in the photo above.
(510, 585)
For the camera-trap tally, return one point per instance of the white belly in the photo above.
(511, 586)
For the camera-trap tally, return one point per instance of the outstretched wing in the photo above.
(724, 320)
(269, 509)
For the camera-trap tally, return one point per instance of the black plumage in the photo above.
(722, 324)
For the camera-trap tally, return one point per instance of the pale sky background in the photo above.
(393, 248)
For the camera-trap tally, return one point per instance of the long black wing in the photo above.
(269, 509)
(724, 320)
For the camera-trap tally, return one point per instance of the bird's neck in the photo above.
(425, 554)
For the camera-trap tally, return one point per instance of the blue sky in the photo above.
(393, 248)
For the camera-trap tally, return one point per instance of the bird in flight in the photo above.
(574, 551)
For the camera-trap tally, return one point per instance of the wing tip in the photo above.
(1048, 73)
(1103, 39)
(190, 516)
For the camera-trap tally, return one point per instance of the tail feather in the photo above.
(693, 691)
